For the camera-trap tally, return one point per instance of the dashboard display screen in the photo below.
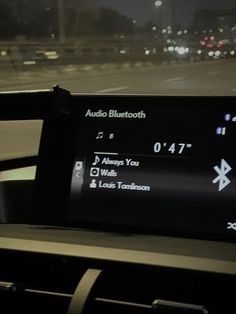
(157, 165)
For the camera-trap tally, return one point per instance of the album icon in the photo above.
(94, 172)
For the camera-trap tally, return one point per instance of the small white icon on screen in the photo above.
(94, 172)
(78, 165)
(100, 135)
(221, 131)
(111, 136)
(78, 168)
(227, 117)
(96, 161)
(93, 184)
(231, 225)
(221, 178)
(234, 119)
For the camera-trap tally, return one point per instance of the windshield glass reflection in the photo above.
(126, 46)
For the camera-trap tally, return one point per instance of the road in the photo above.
(196, 78)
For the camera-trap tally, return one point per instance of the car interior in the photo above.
(131, 208)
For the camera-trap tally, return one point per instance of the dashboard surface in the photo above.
(210, 256)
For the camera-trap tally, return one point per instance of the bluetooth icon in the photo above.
(222, 171)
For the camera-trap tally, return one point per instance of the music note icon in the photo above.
(100, 135)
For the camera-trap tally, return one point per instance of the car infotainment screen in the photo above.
(157, 164)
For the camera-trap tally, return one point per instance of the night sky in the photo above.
(144, 10)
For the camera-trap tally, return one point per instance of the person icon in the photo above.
(93, 184)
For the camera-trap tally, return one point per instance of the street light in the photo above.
(158, 4)
(61, 21)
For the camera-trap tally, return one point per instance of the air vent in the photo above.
(46, 283)
(143, 290)
(20, 298)
(134, 293)
(38, 283)
(157, 306)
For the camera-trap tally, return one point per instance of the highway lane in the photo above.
(196, 78)
(209, 78)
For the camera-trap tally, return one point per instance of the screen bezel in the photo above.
(58, 148)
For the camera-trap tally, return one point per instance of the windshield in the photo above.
(160, 47)
(127, 46)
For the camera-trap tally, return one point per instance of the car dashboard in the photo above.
(132, 209)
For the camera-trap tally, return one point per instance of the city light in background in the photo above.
(205, 33)
(158, 3)
(60, 41)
